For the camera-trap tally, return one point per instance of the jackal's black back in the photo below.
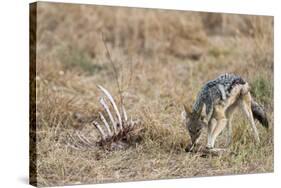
(229, 80)
(211, 92)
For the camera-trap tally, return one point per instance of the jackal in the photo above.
(214, 107)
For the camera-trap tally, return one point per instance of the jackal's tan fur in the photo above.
(239, 97)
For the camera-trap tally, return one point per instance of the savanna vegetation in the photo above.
(162, 58)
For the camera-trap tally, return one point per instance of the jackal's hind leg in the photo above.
(229, 132)
(229, 116)
(246, 106)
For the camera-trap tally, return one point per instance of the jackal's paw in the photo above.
(189, 148)
(217, 150)
(209, 147)
(214, 151)
(193, 148)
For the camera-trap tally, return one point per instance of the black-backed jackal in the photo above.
(214, 108)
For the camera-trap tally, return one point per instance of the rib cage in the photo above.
(113, 125)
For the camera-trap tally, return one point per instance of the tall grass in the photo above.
(163, 58)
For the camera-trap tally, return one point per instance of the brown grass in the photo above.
(163, 58)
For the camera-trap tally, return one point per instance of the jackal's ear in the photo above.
(186, 114)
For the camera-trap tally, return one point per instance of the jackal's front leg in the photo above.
(216, 128)
(211, 128)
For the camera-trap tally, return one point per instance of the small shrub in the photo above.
(79, 59)
(262, 90)
(218, 52)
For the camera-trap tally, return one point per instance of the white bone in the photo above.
(103, 103)
(106, 124)
(76, 144)
(132, 123)
(113, 104)
(124, 113)
(73, 147)
(83, 139)
(97, 125)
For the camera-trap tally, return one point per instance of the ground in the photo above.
(162, 58)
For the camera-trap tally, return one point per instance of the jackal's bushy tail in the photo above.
(259, 114)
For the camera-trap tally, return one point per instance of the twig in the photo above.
(114, 70)
(131, 72)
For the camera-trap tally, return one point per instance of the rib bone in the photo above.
(103, 103)
(106, 124)
(112, 136)
(83, 139)
(97, 125)
(124, 113)
(113, 104)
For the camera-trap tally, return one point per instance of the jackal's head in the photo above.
(194, 124)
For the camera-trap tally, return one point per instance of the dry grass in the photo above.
(163, 58)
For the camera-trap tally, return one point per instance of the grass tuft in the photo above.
(262, 89)
(163, 58)
(75, 58)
